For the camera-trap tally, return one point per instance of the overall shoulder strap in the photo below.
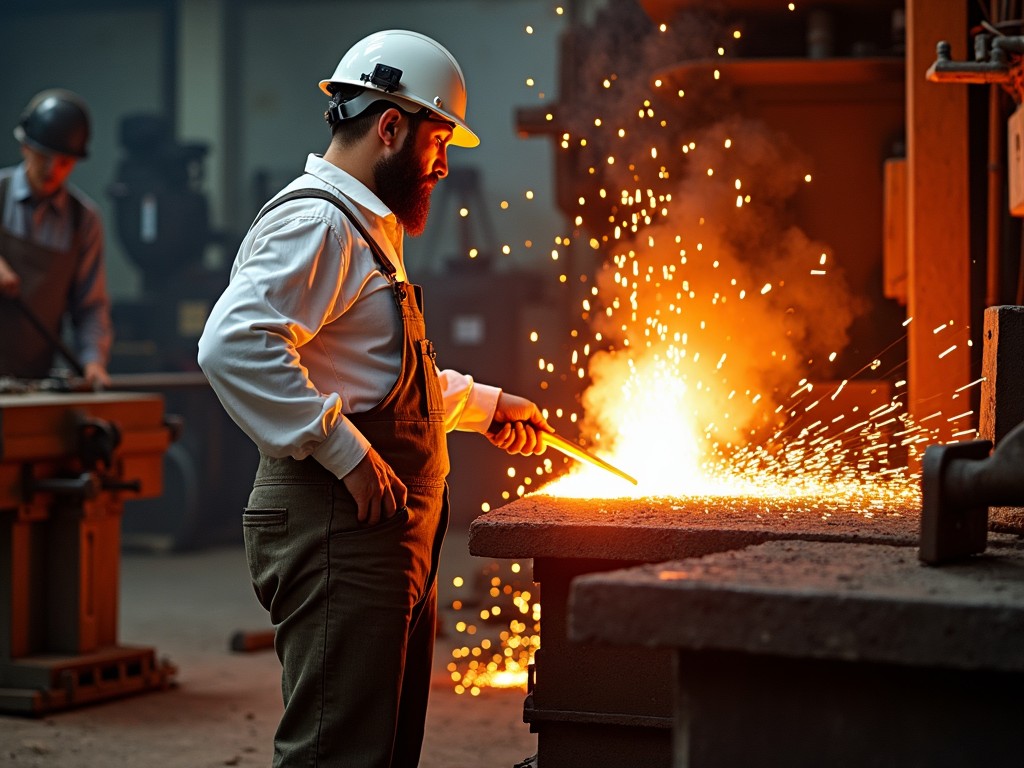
(382, 260)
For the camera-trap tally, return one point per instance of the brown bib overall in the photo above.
(46, 279)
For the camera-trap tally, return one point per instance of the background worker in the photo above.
(51, 246)
(317, 349)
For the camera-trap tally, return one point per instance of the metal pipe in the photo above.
(959, 482)
(997, 480)
(994, 70)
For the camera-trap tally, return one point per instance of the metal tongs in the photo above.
(46, 333)
(573, 451)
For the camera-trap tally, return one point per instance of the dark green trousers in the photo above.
(354, 608)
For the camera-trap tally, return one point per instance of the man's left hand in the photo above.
(96, 376)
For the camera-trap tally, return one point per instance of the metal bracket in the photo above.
(997, 61)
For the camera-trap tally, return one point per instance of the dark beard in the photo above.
(402, 189)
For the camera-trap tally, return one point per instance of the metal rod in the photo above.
(54, 341)
(574, 451)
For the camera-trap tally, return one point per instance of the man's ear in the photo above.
(388, 125)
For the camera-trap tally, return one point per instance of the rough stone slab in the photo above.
(653, 529)
(851, 602)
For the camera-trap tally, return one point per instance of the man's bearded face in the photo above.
(404, 186)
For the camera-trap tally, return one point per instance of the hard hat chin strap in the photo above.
(383, 79)
(339, 109)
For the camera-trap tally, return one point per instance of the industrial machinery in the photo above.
(848, 101)
(963, 484)
(162, 220)
(68, 462)
(998, 61)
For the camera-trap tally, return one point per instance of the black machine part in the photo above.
(97, 440)
(960, 481)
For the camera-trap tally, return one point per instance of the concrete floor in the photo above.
(224, 706)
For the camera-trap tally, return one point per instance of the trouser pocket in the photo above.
(283, 529)
(260, 527)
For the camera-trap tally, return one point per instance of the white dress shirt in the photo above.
(307, 330)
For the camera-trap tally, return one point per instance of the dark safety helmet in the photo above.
(55, 122)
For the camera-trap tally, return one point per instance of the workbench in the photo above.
(68, 461)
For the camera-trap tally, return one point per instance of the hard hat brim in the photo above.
(24, 138)
(462, 136)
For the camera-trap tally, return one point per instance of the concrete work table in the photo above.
(652, 529)
(591, 704)
(810, 653)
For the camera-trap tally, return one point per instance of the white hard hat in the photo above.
(409, 69)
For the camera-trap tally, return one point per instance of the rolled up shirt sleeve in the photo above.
(89, 302)
(469, 405)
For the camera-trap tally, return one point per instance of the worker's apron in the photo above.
(355, 606)
(46, 279)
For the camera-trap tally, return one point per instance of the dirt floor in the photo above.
(224, 705)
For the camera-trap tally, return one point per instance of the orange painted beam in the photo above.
(938, 267)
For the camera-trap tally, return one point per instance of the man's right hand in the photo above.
(378, 492)
(10, 283)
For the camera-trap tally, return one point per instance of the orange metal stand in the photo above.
(66, 462)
